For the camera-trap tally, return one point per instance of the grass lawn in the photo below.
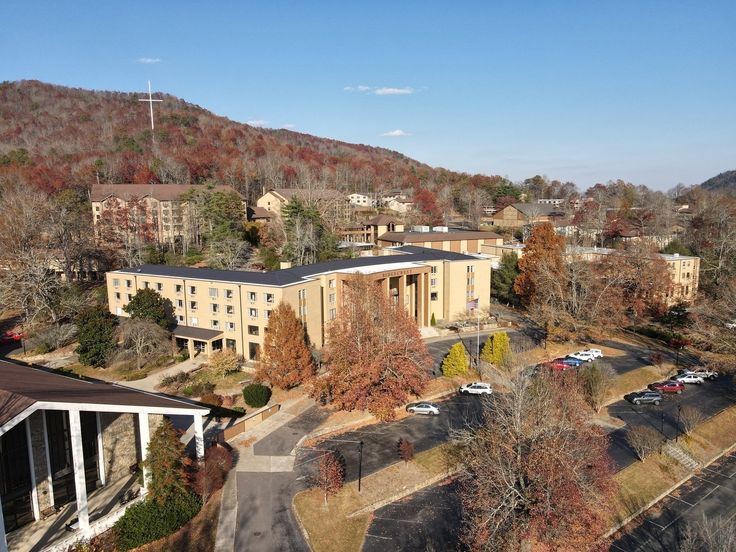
(641, 482)
(713, 436)
(336, 527)
(635, 380)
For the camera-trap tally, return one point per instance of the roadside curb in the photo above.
(403, 493)
(303, 529)
(227, 520)
(654, 501)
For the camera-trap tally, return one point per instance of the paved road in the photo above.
(265, 519)
(380, 440)
(708, 398)
(427, 520)
(710, 493)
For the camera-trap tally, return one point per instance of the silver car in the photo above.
(427, 408)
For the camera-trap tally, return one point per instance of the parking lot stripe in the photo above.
(396, 519)
(378, 536)
(684, 501)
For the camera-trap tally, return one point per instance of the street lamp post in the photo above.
(477, 349)
(679, 410)
(665, 436)
(360, 463)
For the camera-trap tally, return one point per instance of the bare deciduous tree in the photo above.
(143, 338)
(533, 452)
(690, 417)
(644, 440)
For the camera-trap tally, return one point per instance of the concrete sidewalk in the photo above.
(150, 382)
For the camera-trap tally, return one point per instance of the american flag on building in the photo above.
(474, 304)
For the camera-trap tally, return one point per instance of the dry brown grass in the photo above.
(331, 527)
(641, 482)
(713, 436)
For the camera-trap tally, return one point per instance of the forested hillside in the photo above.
(55, 137)
(724, 182)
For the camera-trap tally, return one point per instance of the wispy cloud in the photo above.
(148, 60)
(396, 133)
(257, 122)
(359, 88)
(392, 91)
(381, 90)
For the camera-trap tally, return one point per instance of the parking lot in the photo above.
(380, 440)
(427, 520)
(710, 493)
(709, 398)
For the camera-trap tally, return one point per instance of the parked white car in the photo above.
(423, 408)
(700, 371)
(475, 388)
(596, 352)
(689, 377)
(587, 356)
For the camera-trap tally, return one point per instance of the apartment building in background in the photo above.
(335, 205)
(441, 239)
(220, 308)
(159, 205)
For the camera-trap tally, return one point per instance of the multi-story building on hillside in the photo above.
(521, 214)
(333, 204)
(219, 308)
(441, 238)
(157, 206)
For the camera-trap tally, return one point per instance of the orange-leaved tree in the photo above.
(543, 254)
(374, 353)
(286, 361)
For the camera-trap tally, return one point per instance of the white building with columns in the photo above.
(70, 450)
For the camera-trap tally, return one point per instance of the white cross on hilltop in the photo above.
(150, 101)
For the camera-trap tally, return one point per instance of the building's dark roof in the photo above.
(293, 275)
(162, 192)
(421, 237)
(202, 334)
(23, 386)
(255, 213)
(433, 254)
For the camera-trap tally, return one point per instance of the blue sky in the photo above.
(581, 90)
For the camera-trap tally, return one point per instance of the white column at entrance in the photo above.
(32, 471)
(48, 458)
(3, 540)
(199, 436)
(80, 482)
(145, 437)
(100, 451)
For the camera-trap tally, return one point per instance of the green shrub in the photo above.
(175, 380)
(202, 388)
(188, 391)
(256, 395)
(148, 521)
(433, 321)
(456, 361)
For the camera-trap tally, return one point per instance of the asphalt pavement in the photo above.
(710, 494)
(380, 441)
(265, 520)
(427, 520)
(709, 398)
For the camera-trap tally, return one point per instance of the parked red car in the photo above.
(668, 387)
(11, 337)
(554, 365)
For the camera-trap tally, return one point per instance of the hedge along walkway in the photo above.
(342, 523)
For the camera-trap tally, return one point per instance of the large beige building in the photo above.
(683, 269)
(160, 205)
(219, 308)
(521, 214)
(457, 241)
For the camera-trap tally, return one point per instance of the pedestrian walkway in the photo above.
(276, 455)
(150, 382)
